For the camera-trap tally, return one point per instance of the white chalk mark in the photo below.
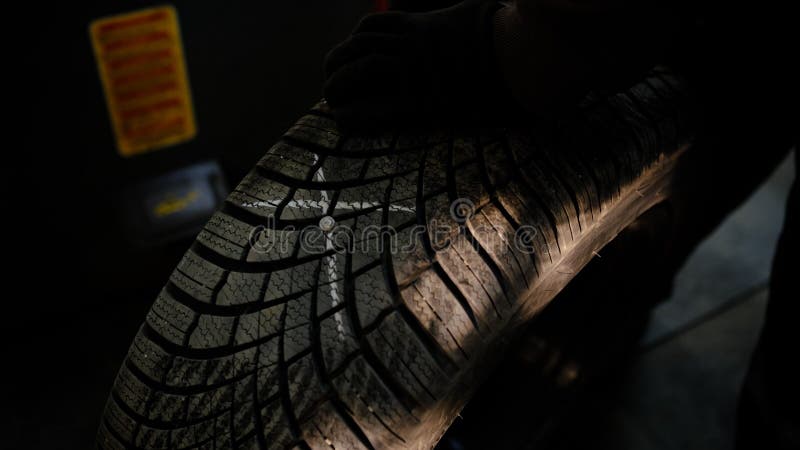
(331, 260)
(321, 204)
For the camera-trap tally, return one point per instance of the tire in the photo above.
(269, 336)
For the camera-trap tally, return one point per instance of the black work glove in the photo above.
(418, 68)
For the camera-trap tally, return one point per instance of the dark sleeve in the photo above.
(740, 53)
(616, 40)
(738, 56)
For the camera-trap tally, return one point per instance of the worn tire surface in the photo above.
(270, 335)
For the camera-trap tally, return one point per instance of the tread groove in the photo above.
(498, 274)
(404, 397)
(322, 372)
(283, 380)
(456, 292)
(551, 219)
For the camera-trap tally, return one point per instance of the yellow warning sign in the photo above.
(173, 204)
(141, 64)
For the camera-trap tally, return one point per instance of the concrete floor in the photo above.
(733, 260)
(681, 391)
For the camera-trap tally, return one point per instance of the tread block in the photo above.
(212, 332)
(333, 430)
(372, 404)
(241, 288)
(149, 357)
(261, 189)
(200, 271)
(441, 314)
(304, 134)
(220, 245)
(402, 363)
(472, 287)
(305, 387)
(337, 340)
(170, 318)
(371, 296)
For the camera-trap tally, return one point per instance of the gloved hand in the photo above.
(418, 68)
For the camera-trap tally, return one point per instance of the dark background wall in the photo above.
(254, 67)
(77, 287)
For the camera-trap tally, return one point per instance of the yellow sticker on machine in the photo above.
(141, 64)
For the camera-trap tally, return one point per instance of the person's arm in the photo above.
(552, 52)
(480, 60)
(420, 68)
